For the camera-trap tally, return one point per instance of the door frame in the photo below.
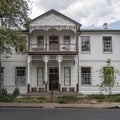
(49, 78)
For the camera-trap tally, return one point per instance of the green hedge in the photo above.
(67, 99)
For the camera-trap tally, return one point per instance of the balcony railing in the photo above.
(53, 48)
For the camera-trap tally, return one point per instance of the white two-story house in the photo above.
(61, 57)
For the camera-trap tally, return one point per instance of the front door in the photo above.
(53, 78)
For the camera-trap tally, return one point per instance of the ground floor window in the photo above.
(67, 76)
(85, 75)
(20, 75)
(2, 76)
(40, 76)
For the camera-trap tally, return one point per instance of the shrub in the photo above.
(117, 98)
(6, 98)
(4, 91)
(97, 96)
(16, 92)
(66, 99)
(41, 99)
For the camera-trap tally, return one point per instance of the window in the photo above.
(40, 41)
(66, 42)
(107, 44)
(2, 76)
(53, 43)
(85, 44)
(40, 76)
(85, 75)
(20, 76)
(67, 76)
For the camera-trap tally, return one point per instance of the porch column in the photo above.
(59, 62)
(28, 84)
(77, 73)
(46, 73)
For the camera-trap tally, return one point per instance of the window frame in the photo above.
(42, 76)
(110, 50)
(89, 46)
(16, 74)
(67, 84)
(66, 45)
(90, 79)
(40, 39)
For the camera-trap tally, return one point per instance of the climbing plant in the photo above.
(108, 75)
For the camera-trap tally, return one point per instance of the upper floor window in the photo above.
(107, 44)
(40, 41)
(85, 44)
(66, 42)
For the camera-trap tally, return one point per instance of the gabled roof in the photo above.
(57, 13)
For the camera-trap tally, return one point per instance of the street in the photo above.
(58, 114)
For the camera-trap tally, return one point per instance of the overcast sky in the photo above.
(90, 13)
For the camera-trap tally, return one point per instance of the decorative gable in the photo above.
(52, 20)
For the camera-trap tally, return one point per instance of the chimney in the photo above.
(105, 26)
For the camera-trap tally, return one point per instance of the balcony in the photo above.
(53, 49)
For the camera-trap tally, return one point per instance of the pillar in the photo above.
(28, 82)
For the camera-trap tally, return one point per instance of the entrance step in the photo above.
(49, 95)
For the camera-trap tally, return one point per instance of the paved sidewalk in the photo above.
(56, 105)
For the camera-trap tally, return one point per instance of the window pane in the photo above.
(20, 75)
(85, 75)
(66, 42)
(85, 44)
(67, 76)
(40, 41)
(107, 44)
(40, 76)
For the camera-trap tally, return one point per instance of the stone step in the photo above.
(54, 94)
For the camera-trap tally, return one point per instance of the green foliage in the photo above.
(16, 92)
(41, 99)
(13, 16)
(6, 98)
(96, 96)
(108, 76)
(4, 91)
(67, 99)
(117, 98)
(13, 13)
(104, 98)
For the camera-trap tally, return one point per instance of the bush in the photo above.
(41, 99)
(67, 99)
(4, 91)
(117, 98)
(97, 96)
(16, 92)
(6, 98)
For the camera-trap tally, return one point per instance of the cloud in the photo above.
(88, 13)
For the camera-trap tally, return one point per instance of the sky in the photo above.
(90, 13)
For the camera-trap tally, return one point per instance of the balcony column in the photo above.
(59, 63)
(28, 81)
(46, 73)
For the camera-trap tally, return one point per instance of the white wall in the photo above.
(96, 59)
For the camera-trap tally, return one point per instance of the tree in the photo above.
(108, 74)
(13, 17)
